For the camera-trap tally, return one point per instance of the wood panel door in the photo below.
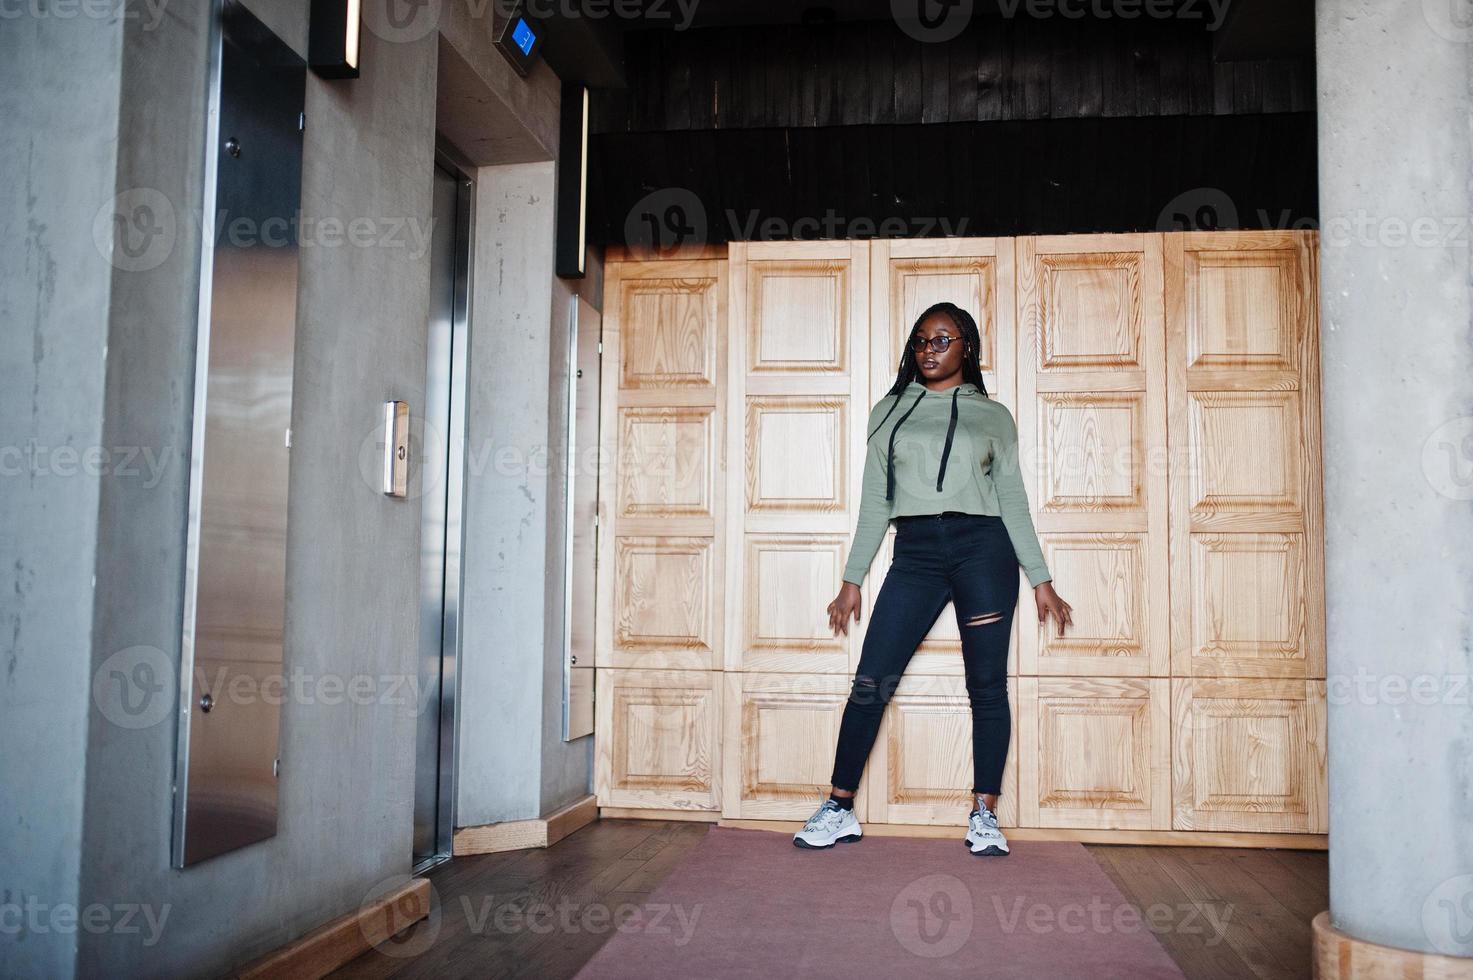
(907, 277)
(797, 385)
(779, 732)
(1249, 754)
(1166, 392)
(1091, 424)
(659, 739)
(799, 371)
(662, 501)
(921, 768)
(1099, 752)
(1247, 545)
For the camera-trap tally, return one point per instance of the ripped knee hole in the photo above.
(983, 619)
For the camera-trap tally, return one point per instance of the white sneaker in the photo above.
(983, 835)
(829, 825)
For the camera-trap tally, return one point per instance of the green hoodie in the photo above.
(933, 451)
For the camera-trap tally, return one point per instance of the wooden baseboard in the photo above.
(345, 938)
(640, 813)
(1338, 955)
(1165, 838)
(1170, 838)
(513, 835)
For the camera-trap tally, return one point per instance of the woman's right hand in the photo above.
(845, 605)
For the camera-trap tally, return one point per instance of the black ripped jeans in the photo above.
(966, 558)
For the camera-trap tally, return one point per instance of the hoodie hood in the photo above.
(911, 397)
(914, 388)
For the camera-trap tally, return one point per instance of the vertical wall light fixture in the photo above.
(572, 182)
(333, 44)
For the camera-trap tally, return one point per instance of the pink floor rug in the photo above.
(747, 903)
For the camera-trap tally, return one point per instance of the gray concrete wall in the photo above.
(514, 764)
(506, 499)
(94, 816)
(352, 563)
(1395, 162)
(58, 156)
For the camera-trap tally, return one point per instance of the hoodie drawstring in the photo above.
(890, 457)
(883, 420)
(950, 431)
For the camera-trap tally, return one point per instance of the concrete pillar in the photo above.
(513, 763)
(506, 498)
(60, 75)
(1395, 163)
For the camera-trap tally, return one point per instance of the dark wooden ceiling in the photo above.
(766, 120)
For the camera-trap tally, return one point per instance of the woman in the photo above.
(942, 464)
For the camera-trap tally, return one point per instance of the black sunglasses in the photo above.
(940, 343)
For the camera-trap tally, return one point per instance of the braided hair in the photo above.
(971, 348)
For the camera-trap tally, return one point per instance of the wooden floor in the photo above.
(1219, 912)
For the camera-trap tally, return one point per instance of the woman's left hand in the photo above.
(1049, 602)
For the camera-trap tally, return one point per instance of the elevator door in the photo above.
(441, 478)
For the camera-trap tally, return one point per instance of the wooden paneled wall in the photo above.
(773, 76)
(1165, 387)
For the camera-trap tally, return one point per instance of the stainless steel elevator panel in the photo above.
(582, 519)
(442, 457)
(225, 793)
